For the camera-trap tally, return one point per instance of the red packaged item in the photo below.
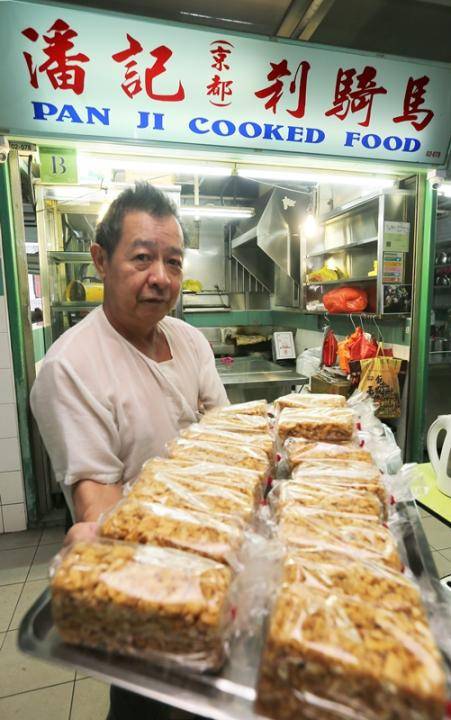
(330, 346)
(345, 300)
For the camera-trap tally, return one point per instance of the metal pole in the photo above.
(423, 273)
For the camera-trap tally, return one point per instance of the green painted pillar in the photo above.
(11, 282)
(421, 314)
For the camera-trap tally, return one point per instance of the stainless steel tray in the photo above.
(228, 696)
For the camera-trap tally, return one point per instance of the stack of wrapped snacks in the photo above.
(299, 450)
(309, 401)
(322, 566)
(139, 521)
(361, 502)
(253, 407)
(340, 474)
(237, 422)
(217, 435)
(242, 480)
(323, 423)
(329, 656)
(300, 526)
(152, 602)
(242, 456)
(187, 493)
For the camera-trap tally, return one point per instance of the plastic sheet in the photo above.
(348, 470)
(216, 434)
(237, 423)
(310, 401)
(152, 602)
(342, 484)
(182, 490)
(253, 407)
(144, 522)
(241, 456)
(297, 450)
(329, 656)
(305, 526)
(363, 503)
(329, 424)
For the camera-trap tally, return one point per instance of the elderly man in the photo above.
(116, 387)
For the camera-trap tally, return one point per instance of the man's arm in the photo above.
(91, 499)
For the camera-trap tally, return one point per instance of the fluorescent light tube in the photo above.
(330, 178)
(101, 164)
(215, 211)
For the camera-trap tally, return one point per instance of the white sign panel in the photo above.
(69, 72)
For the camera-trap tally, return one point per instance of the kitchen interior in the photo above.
(263, 245)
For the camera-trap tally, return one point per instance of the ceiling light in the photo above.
(310, 226)
(445, 189)
(309, 177)
(215, 211)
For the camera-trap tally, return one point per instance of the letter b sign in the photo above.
(58, 165)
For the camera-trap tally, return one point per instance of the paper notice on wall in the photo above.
(393, 268)
(396, 236)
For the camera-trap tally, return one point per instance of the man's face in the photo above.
(143, 276)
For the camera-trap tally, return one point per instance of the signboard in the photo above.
(68, 72)
(396, 236)
(393, 267)
(58, 165)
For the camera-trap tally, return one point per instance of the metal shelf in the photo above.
(74, 306)
(69, 256)
(343, 281)
(342, 248)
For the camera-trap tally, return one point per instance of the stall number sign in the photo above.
(58, 165)
(84, 73)
(396, 236)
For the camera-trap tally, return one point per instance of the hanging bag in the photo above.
(380, 379)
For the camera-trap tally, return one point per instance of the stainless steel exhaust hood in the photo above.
(271, 237)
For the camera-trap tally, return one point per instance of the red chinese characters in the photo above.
(132, 84)
(62, 68)
(413, 99)
(298, 85)
(354, 93)
(220, 88)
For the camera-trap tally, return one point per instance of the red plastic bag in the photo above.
(363, 348)
(345, 300)
(329, 351)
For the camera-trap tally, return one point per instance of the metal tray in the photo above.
(228, 696)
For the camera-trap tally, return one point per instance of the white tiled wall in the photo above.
(12, 499)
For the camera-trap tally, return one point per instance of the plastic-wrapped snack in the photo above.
(335, 572)
(298, 450)
(309, 401)
(241, 456)
(301, 526)
(237, 423)
(343, 484)
(328, 656)
(351, 470)
(152, 602)
(190, 494)
(241, 480)
(253, 407)
(330, 424)
(315, 496)
(216, 434)
(139, 521)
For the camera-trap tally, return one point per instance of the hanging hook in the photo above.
(326, 318)
(361, 323)
(352, 321)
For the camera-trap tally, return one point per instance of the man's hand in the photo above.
(81, 531)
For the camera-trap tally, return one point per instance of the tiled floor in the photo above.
(33, 690)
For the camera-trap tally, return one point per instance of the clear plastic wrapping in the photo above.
(335, 572)
(300, 526)
(144, 522)
(330, 656)
(232, 454)
(183, 491)
(297, 450)
(360, 502)
(152, 602)
(351, 470)
(309, 401)
(343, 484)
(253, 407)
(217, 434)
(237, 423)
(324, 423)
